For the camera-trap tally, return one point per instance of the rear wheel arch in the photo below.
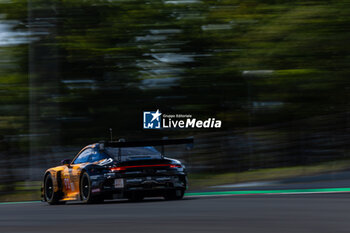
(87, 197)
(83, 171)
(81, 174)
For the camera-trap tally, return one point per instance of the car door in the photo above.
(71, 174)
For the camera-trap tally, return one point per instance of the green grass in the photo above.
(201, 180)
(23, 191)
(21, 196)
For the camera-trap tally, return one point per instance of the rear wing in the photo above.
(164, 142)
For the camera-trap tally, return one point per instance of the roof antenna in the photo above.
(111, 132)
(163, 153)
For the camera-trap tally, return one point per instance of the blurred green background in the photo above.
(275, 72)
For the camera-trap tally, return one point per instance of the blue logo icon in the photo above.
(151, 120)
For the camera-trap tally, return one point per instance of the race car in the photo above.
(122, 169)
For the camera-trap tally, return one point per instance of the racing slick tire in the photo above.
(86, 190)
(177, 194)
(52, 197)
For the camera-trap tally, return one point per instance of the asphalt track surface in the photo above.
(256, 213)
(281, 207)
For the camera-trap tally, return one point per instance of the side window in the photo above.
(96, 156)
(83, 157)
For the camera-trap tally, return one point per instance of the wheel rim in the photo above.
(48, 188)
(85, 187)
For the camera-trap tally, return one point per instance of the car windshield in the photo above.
(133, 153)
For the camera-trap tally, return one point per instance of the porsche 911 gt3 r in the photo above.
(109, 170)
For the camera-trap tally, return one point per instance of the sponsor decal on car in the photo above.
(96, 190)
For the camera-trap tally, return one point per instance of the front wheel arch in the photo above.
(50, 195)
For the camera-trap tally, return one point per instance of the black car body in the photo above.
(109, 170)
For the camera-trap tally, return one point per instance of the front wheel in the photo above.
(177, 194)
(85, 190)
(51, 196)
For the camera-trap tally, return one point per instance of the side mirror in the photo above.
(66, 162)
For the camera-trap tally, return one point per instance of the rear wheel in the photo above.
(85, 190)
(177, 194)
(51, 196)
